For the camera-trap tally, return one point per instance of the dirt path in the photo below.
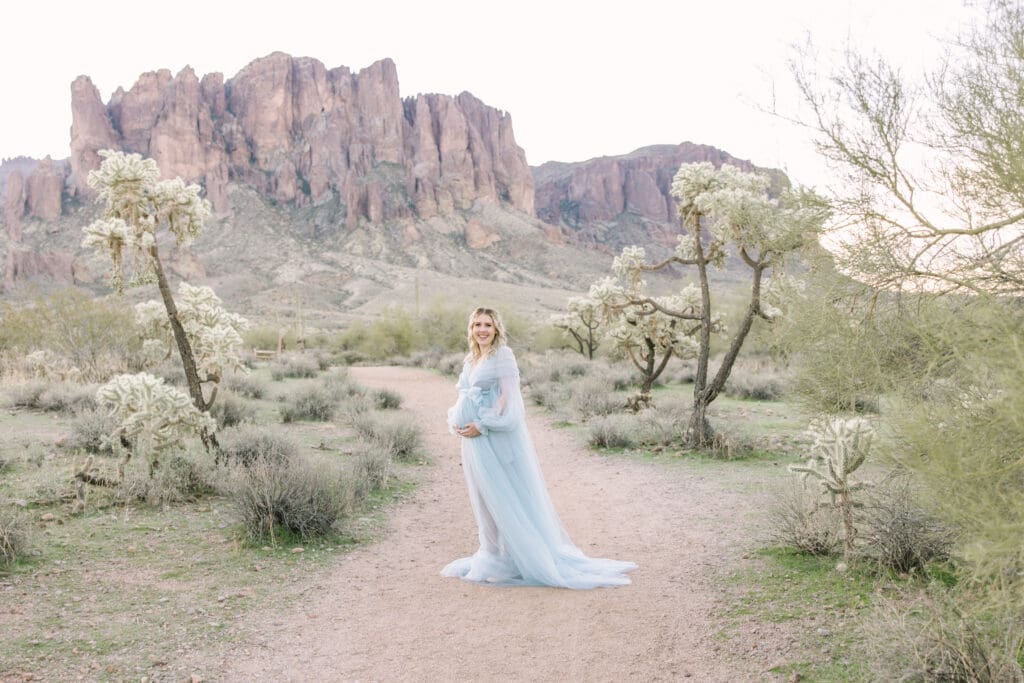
(384, 613)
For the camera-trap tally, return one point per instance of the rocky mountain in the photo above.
(317, 174)
(300, 133)
(619, 200)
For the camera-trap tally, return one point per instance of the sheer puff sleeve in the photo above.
(508, 411)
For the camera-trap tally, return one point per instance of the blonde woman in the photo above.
(522, 542)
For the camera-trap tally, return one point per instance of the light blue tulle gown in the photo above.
(522, 542)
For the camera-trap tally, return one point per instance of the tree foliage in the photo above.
(722, 211)
(924, 295)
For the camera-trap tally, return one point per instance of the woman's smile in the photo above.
(483, 330)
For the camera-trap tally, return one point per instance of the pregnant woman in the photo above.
(522, 542)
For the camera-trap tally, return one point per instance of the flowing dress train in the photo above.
(522, 541)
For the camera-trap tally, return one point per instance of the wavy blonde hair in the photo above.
(500, 338)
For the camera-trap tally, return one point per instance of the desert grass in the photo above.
(150, 568)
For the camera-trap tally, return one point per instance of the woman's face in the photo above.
(483, 330)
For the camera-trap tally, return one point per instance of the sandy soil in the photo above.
(384, 614)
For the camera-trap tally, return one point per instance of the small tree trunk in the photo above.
(699, 433)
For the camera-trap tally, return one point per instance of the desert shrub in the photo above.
(246, 444)
(944, 637)
(265, 337)
(387, 399)
(591, 397)
(757, 379)
(450, 365)
(26, 394)
(317, 403)
(290, 497)
(551, 395)
(612, 431)
(246, 385)
(355, 405)
(899, 533)
(396, 432)
(170, 371)
(180, 477)
(340, 384)
(85, 332)
(576, 369)
(373, 468)
(298, 366)
(687, 374)
(394, 333)
(799, 518)
(15, 535)
(619, 378)
(230, 410)
(663, 424)
(90, 430)
(68, 397)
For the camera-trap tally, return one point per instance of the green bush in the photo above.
(180, 477)
(27, 394)
(88, 333)
(756, 379)
(68, 398)
(943, 637)
(293, 497)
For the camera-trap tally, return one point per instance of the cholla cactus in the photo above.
(153, 415)
(138, 203)
(840, 447)
(583, 323)
(138, 206)
(215, 334)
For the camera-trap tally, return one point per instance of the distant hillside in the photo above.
(616, 201)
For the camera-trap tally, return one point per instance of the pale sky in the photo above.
(580, 78)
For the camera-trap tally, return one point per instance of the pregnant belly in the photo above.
(466, 411)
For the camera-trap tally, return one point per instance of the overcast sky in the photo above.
(580, 78)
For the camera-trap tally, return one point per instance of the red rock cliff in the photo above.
(301, 133)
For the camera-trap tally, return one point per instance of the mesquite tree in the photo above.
(722, 210)
(930, 197)
(583, 323)
(139, 208)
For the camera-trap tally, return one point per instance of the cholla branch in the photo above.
(840, 447)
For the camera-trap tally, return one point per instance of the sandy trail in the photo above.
(384, 614)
